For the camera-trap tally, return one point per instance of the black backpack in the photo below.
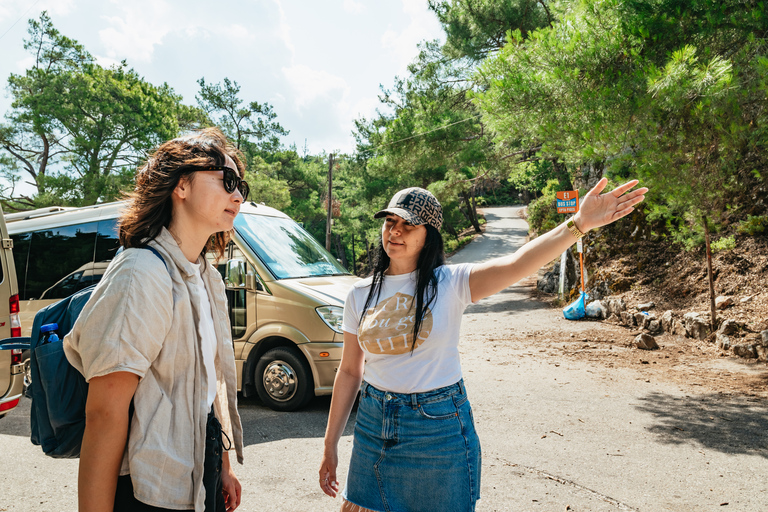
(58, 391)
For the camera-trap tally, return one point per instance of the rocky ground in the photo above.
(696, 365)
(641, 271)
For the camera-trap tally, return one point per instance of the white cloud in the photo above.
(353, 6)
(57, 7)
(240, 35)
(106, 62)
(283, 29)
(403, 43)
(134, 33)
(25, 63)
(14, 13)
(310, 84)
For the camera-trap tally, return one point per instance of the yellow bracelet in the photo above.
(573, 229)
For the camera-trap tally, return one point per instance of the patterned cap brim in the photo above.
(400, 212)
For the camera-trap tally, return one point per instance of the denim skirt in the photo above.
(414, 452)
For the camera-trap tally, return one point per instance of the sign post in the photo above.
(568, 202)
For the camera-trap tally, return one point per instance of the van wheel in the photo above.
(283, 380)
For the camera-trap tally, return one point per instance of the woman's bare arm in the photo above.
(345, 388)
(106, 432)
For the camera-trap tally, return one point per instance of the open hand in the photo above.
(598, 209)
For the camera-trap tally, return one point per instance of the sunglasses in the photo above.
(232, 180)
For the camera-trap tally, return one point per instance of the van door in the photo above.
(234, 270)
(9, 303)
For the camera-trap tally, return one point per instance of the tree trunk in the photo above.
(450, 230)
(341, 253)
(713, 323)
(470, 212)
(368, 252)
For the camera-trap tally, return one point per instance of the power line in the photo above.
(18, 20)
(427, 133)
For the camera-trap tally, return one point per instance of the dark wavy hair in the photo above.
(431, 257)
(150, 207)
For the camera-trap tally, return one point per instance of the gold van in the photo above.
(285, 291)
(12, 355)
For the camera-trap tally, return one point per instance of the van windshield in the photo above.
(285, 247)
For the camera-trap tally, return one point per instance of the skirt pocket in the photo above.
(440, 410)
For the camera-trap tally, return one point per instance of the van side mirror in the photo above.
(252, 282)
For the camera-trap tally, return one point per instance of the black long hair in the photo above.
(431, 257)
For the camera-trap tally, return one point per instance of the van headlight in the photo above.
(332, 316)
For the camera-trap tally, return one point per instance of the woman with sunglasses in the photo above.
(415, 447)
(154, 342)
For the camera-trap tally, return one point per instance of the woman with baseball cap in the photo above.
(415, 447)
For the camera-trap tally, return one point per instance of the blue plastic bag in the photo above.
(576, 310)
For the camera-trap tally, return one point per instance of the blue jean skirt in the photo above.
(414, 452)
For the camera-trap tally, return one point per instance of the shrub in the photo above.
(753, 225)
(726, 243)
(542, 212)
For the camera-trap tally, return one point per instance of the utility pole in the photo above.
(330, 205)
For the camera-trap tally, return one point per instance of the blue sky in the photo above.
(318, 63)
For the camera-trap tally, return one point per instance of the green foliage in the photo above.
(474, 29)
(726, 243)
(542, 212)
(673, 94)
(753, 225)
(241, 122)
(453, 245)
(93, 123)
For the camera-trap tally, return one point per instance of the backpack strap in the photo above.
(154, 251)
(157, 253)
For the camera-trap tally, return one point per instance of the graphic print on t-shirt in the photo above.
(388, 327)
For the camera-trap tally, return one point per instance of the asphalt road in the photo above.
(557, 434)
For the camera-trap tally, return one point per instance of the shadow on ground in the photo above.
(511, 300)
(263, 425)
(260, 423)
(733, 425)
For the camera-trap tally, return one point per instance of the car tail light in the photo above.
(15, 320)
(9, 405)
(16, 356)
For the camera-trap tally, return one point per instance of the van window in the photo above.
(60, 261)
(107, 241)
(20, 254)
(285, 248)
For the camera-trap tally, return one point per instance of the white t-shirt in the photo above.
(386, 333)
(207, 338)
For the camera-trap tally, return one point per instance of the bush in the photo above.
(452, 245)
(726, 243)
(542, 212)
(753, 225)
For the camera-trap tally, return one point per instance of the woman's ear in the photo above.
(182, 188)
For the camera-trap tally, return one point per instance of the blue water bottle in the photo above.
(49, 333)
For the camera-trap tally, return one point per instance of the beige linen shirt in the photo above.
(142, 318)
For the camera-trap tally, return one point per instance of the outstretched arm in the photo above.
(596, 210)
